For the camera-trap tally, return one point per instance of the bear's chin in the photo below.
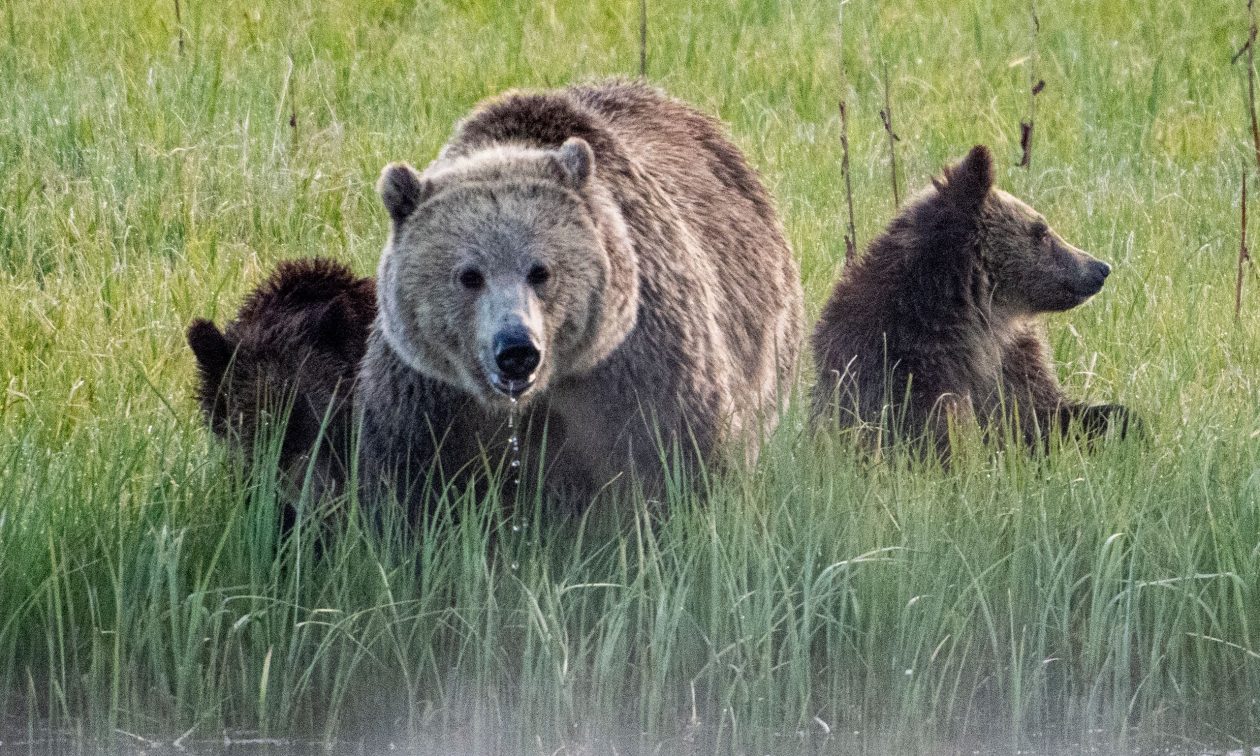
(498, 394)
(1071, 299)
(512, 389)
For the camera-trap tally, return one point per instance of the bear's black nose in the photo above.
(1098, 272)
(516, 354)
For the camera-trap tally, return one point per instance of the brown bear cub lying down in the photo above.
(938, 321)
(292, 353)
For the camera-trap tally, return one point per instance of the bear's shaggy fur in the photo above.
(937, 322)
(600, 257)
(290, 356)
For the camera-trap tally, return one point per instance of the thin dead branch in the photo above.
(850, 236)
(1244, 255)
(643, 21)
(1249, 49)
(1035, 85)
(179, 27)
(293, 117)
(885, 115)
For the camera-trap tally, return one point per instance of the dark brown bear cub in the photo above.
(291, 355)
(938, 321)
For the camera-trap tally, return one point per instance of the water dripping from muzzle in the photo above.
(514, 471)
(514, 446)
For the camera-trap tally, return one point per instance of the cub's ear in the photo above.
(402, 190)
(576, 162)
(969, 181)
(335, 328)
(211, 348)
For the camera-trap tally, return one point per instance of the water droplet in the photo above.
(514, 445)
(516, 566)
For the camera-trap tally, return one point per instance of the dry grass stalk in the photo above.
(1244, 256)
(293, 119)
(643, 19)
(850, 236)
(1249, 49)
(179, 27)
(1035, 85)
(885, 115)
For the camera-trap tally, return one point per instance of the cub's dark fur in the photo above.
(938, 321)
(290, 356)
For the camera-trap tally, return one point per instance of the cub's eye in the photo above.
(471, 278)
(538, 275)
(1041, 232)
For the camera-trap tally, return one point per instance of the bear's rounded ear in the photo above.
(576, 162)
(970, 180)
(211, 348)
(402, 190)
(335, 328)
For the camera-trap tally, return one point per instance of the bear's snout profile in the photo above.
(1084, 278)
(1096, 272)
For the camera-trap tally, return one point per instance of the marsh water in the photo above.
(689, 742)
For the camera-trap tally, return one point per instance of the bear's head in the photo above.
(504, 270)
(290, 356)
(1030, 268)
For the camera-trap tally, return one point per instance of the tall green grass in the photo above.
(817, 604)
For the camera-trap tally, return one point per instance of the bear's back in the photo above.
(669, 166)
(702, 297)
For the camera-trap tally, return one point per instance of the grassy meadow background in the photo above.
(818, 604)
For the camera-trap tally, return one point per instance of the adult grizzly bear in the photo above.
(600, 258)
(290, 356)
(939, 319)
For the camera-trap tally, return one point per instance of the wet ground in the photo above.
(244, 744)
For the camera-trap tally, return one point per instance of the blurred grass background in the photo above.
(815, 605)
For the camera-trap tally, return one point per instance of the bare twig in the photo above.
(13, 35)
(643, 19)
(179, 27)
(1035, 85)
(138, 738)
(286, 106)
(850, 236)
(230, 742)
(885, 115)
(1244, 256)
(178, 743)
(1249, 48)
(1241, 52)
(293, 119)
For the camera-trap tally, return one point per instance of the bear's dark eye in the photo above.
(1041, 232)
(538, 275)
(471, 278)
